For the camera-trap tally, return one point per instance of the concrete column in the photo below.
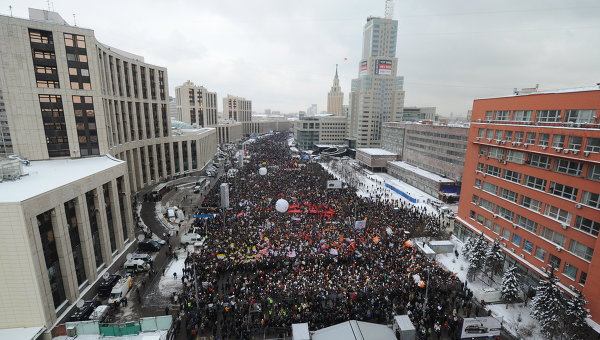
(102, 225)
(65, 252)
(128, 210)
(116, 213)
(180, 153)
(146, 165)
(156, 165)
(85, 237)
(130, 169)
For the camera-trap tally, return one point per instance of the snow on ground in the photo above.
(168, 283)
(516, 318)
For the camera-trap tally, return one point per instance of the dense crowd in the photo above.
(262, 270)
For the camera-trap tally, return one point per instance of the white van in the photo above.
(135, 266)
(190, 238)
(120, 290)
(141, 256)
(100, 313)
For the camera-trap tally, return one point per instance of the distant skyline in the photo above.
(282, 55)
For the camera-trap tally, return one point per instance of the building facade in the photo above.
(196, 105)
(377, 94)
(237, 109)
(532, 179)
(321, 129)
(335, 97)
(98, 116)
(414, 114)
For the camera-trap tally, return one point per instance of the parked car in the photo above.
(148, 246)
(106, 286)
(475, 329)
(136, 266)
(143, 256)
(84, 313)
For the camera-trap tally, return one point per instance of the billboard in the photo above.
(334, 184)
(383, 67)
(362, 70)
(487, 326)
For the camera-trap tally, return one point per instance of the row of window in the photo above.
(558, 141)
(556, 213)
(577, 248)
(543, 116)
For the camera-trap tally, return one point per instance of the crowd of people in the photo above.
(331, 256)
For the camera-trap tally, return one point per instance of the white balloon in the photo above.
(262, 171)
(282, 205)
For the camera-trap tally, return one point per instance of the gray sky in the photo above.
(281, 54)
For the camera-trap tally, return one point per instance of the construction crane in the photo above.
(389, 9)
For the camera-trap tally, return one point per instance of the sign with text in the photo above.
(486, 326)
(383, 67)
(334, 184)
(362, 69)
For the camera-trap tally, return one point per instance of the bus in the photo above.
(160, 190)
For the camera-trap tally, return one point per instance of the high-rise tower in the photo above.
(335, 98)
(377, 94)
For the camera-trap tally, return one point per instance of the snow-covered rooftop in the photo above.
(421, 172)
(570, 90)
(26, 333)
(376, 152)
(43, 176)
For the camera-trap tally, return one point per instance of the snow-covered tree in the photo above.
(476, 257)
(510, 290)
(494, 258)
(466, 250)
(575, 314)
(548, 307)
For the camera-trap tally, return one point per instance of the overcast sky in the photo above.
(281, 54)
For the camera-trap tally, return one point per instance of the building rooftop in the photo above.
(422, 172)
(355, 330)
(27, 333)
(41, 176)
(534, 92)
(376, 152)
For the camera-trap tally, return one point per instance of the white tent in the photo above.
(355, 330)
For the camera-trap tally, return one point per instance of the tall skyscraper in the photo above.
(335, 98)
(237, 109)
(196, 105)
(377, 94)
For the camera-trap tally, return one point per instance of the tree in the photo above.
(494, 258)
(510, 285)
(476, 257)
(575, 314)
(466, 250)
(548, 307)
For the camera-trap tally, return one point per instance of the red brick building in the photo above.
(532, 179)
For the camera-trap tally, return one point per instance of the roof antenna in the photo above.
(10, 8)
(74, 20)
(389, 9)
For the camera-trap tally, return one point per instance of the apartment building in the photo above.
(321, 129)
(89, 126)
(532, 179)
(196, 105)
(237, 109)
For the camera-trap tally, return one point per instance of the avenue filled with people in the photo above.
(322, 256)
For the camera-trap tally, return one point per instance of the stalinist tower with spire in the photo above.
(335, 98)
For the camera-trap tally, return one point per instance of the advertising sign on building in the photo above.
(487, 326)
(383, 67)
(363, 68)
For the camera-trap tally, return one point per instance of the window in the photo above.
(509, 195)
(539, 161)
(495, 152)
(515, 156)
(587, 225)
(522, 116)
(544, 139)
(479, 219)
(506, 234)
(489, 134)
(592, 145)
(534, 182)
(491, 188)
(488, 115)
(487, 205)
(508, 135)
(505, 213)
(478, 183)
(582, 278)
(519, 136)
(512, 176)
(568, 167)
(496, 228)
(472, 214)
(502, 115)
(548, 116)
(527, 246)
(480, 167)
(575, 142)
(570, 271)
(493, 170)
(540, 254)
(554, 262)
(516, 240)
(580, 116)
(558, 141)
(591, 199)
(558, 214)
(530, 203)
(526, 223)
(564, 191)
(553, 236)
(481, 133)
(475, 199)
(594, 172)
(530, 138)
(499, 134)
(581, 250)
